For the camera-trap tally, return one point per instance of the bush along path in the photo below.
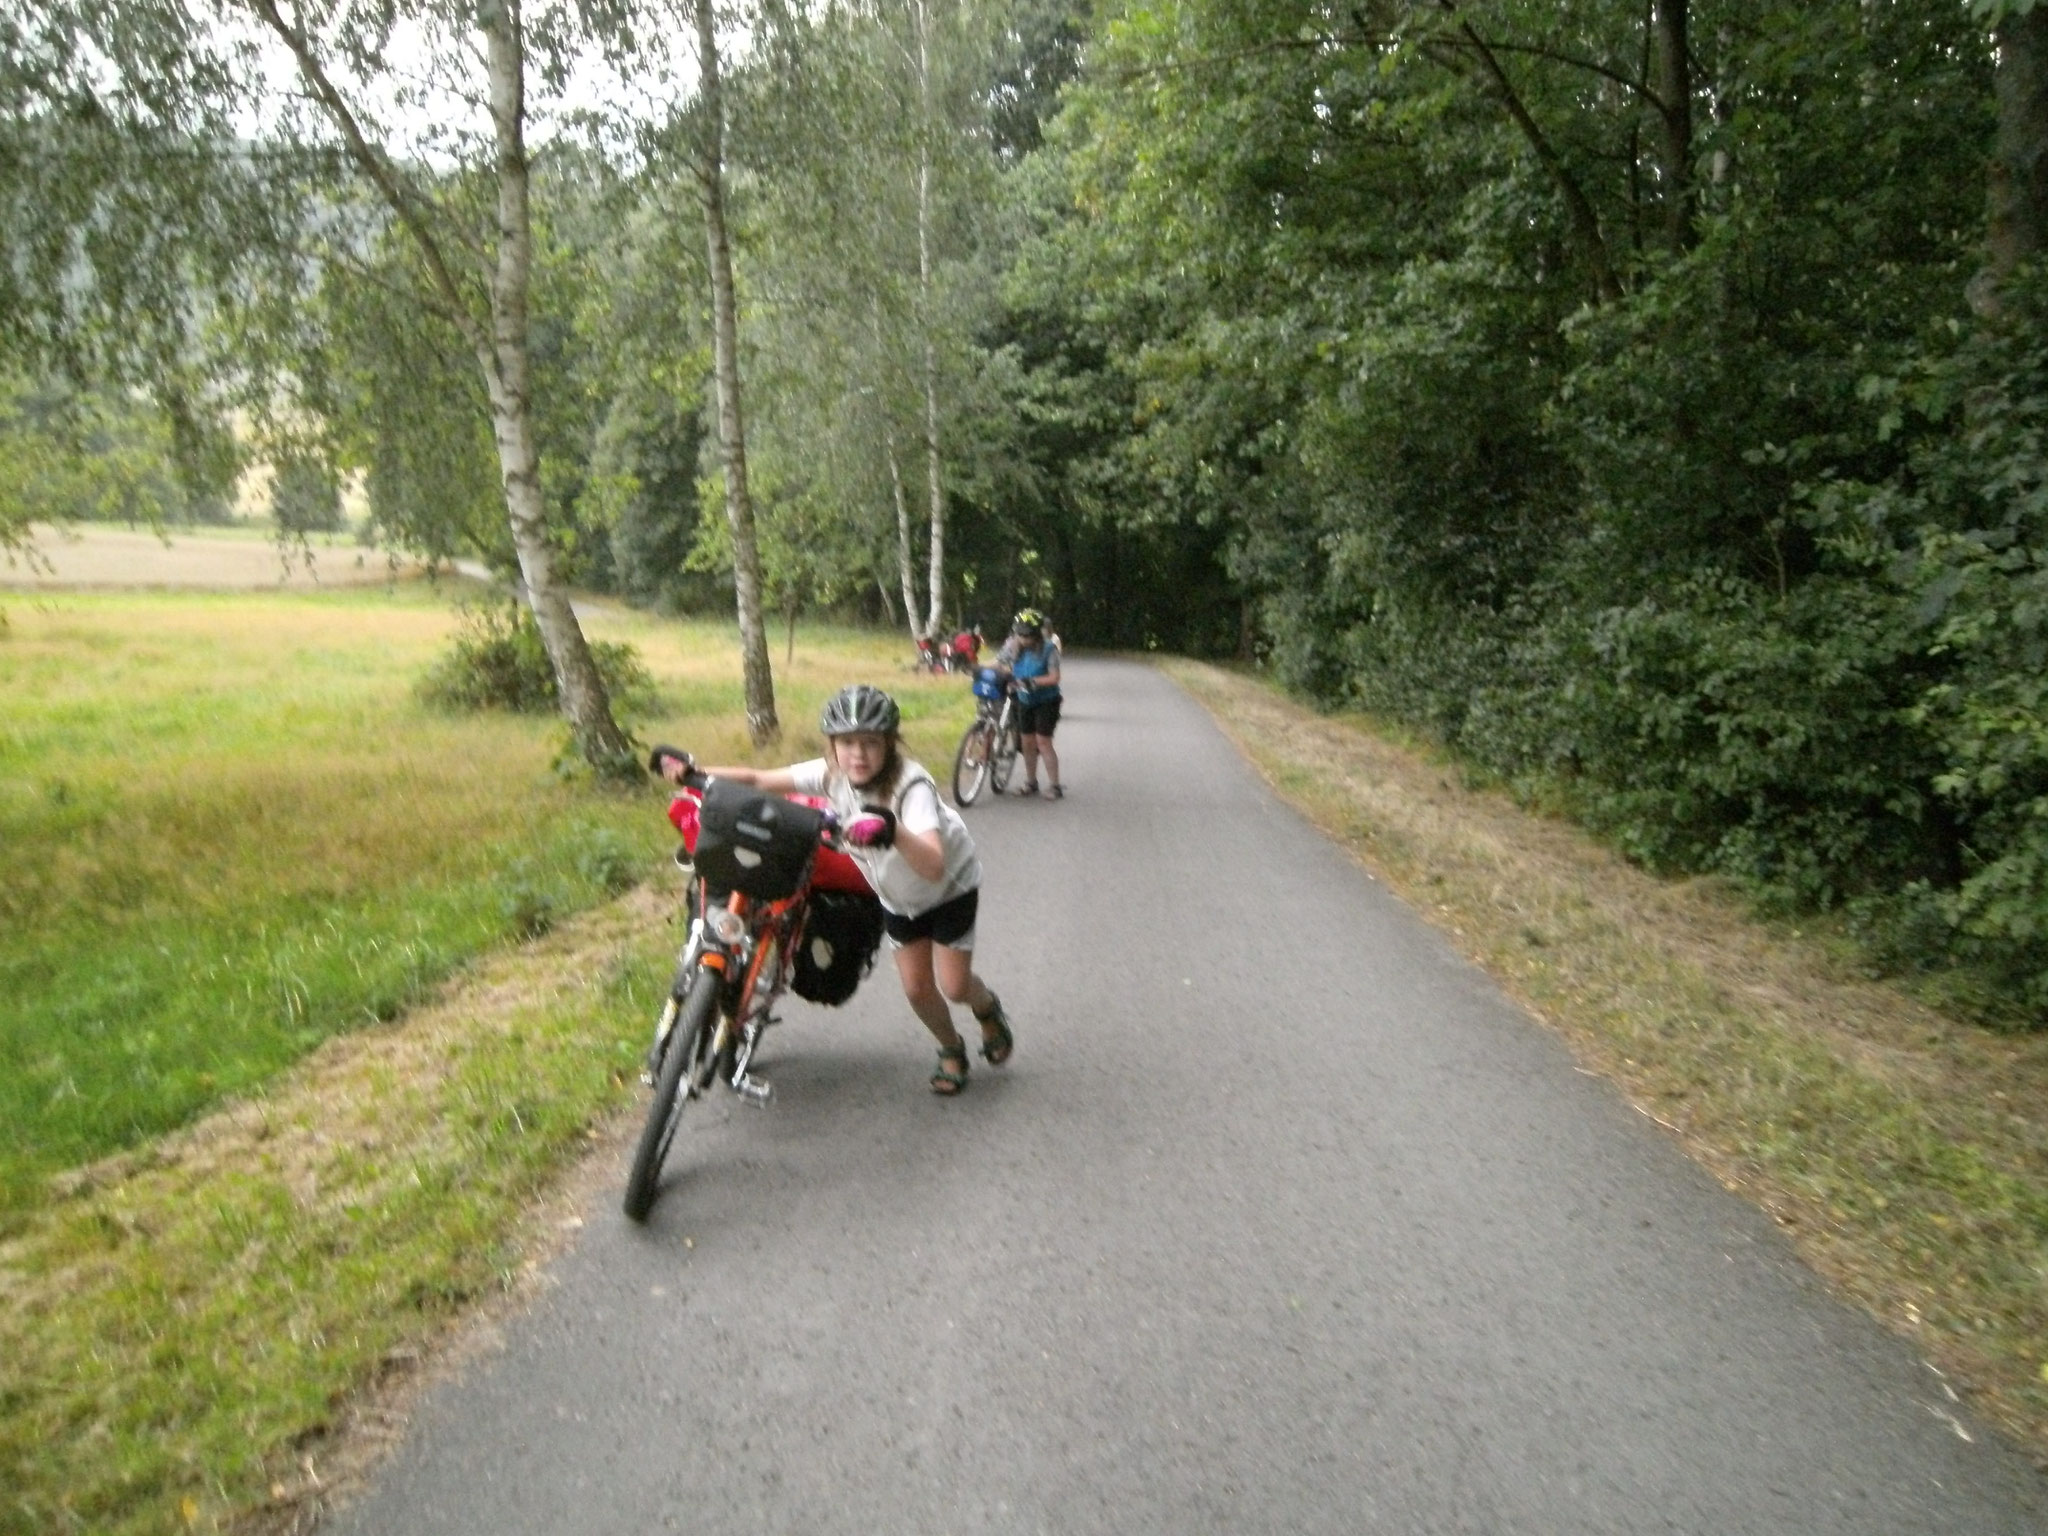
(185, 1328)
(1905, 1153)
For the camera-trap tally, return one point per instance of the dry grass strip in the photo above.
(219, 1331)
(1905, 1153)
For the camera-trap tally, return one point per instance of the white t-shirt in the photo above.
(919, 808)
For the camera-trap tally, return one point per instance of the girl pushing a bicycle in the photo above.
(918, 856)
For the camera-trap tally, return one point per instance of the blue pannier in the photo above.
(988, 684)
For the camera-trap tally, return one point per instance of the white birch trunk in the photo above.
(500, 347)
(732, 441)
(934, 479)
(904, 571)
(508, 376)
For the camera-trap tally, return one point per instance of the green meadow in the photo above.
(231, 832)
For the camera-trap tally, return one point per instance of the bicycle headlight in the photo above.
(725, 925)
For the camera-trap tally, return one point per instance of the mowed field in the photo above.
(242, 557)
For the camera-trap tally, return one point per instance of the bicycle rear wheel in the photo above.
(971, 763)
(685, 1073)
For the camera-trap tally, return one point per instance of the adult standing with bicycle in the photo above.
(918, 856)
(1031, 657)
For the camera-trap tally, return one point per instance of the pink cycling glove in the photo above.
(874, 827)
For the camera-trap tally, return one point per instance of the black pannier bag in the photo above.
(841, 936)
(759, 844)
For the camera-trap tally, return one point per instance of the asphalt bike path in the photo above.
(1282, 1219)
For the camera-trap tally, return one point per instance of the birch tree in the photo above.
(496, 329)
(732, 437)
(399, 116)
(874, 171)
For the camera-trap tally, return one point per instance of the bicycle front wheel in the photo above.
(1003, 759)
(684, 1074)
(971, 763)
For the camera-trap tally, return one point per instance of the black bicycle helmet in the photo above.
(1029, 623)
(860, 707)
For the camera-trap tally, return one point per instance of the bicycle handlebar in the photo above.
(831, 835)
(691, 778)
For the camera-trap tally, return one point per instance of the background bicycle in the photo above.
(988, 748)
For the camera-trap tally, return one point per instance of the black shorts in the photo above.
(1038, 719)
(950, 923)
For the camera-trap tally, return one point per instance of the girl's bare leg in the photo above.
(1030, 746)
(957, 980)
(914, 966)
(1052, 759)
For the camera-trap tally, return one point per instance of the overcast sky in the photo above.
(433, 97)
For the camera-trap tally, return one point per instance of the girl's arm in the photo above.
(923, 852)
(777, 781)
(920, 847)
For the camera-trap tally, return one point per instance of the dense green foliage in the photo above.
(1642, 445)
(84, 456)
(1643, 398)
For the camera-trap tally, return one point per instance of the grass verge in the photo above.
(1905, 1153)
(233, 832)
(183, 1326)
(225, 814)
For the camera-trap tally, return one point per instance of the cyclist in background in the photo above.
(916, 853)
(1033, 663)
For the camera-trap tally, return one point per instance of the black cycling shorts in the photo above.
(1038, 719)
(950, 923)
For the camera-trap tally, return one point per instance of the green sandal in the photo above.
(946, 1080)
(995, 1049)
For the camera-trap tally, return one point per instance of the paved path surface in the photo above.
(1282, 1220)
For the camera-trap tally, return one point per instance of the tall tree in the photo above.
(164, 82)
(935, 481)
(497, 330)
(732, 437)
(2018, 216)
(867, 252)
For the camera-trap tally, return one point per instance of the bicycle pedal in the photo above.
(756, 1091)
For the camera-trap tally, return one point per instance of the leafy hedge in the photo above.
(1724, 523)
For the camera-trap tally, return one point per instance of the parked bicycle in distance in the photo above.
(766, 872)
(988, 748)
(959, 653)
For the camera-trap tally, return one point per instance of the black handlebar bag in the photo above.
(761, 845)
